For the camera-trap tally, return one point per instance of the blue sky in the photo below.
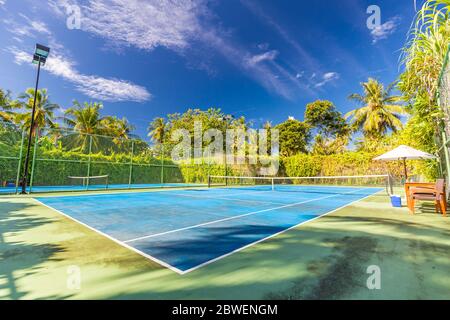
(143, 59)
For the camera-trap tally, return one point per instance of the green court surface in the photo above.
(323, 259)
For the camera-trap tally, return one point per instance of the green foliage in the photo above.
(86, 124)
(323, 116)
(328, 146)
(294, 136)
(302, 165)
(423, 55)
(44, 114)
(380, 111)
(350, 164)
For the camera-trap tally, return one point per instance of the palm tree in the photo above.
(85, 118)
(157, 130)
(423, 59)
(86, 122)
(6, 106)
(44, 114)
(424, 54)
(379, 113)
(119, 129)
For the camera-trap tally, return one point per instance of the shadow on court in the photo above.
(20, 259)
(324, 259)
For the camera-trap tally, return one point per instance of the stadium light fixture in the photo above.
(40, 56)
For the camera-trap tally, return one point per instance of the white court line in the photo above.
(178, 271)
(227, 198)
(162, 263)
(272, 235)
(234, 217)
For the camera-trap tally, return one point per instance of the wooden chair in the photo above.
(436, 194)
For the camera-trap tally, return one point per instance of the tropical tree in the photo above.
(85, 118)
(333, 132)
(423, 59)
(328, 146)
(157, 130)
(294, 136)
(5, 106)
(323, 116)
(424, 53)
(379, 113)
(44, 114)
(88, 124)
(119, 129)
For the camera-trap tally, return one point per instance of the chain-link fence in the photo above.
(443, 98)
(67, 160)
(12, 141)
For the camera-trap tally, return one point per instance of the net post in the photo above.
(273, 184)
(33, 164)
(209, 181)
(89, 162)
(19, 166)
(162, 163)
(131, 166)
(447, 156)
(389, 184)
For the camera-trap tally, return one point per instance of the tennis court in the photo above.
(190, 228)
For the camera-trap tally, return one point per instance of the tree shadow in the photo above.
(20, 259)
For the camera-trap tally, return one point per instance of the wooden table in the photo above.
(409, 185)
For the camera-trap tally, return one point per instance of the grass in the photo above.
(324, 259)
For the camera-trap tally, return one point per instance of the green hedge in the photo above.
(350, 164)
(59, 164)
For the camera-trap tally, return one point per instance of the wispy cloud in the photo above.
(182, 26)
(262, 73)
(2, 2)
(26, 27)
(258, 11)
(266, 56)
(142, 24)
(326, 78)
(385, 30)
(96, 87)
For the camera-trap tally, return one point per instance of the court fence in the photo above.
(12, 141)
(64, 159)
(443, 100)
(67, 160)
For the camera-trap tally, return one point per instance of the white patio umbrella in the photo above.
(404, 153)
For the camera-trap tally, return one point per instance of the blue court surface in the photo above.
(186, 229)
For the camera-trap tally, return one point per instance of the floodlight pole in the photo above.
(33, 112)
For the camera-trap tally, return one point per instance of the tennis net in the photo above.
(302, 184)
(93, 181)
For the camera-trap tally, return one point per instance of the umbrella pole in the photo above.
(406, 171)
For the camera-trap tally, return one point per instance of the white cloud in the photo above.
(385, 30)
(184, 26)
(142, 24)
(300, 74)
(96, 87)
(326, 78)
(266, 56)
(263, 46)
(2, 2)
(29, 28)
